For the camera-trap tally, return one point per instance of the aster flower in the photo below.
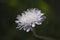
(29, 18)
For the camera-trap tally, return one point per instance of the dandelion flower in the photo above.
(29, 18)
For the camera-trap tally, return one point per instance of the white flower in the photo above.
(29, 18)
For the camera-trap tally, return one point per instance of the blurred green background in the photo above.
(9, 9)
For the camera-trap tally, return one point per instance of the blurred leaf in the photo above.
(13, 3)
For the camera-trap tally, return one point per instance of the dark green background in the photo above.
(9, 9)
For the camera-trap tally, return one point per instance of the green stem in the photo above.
(41, 37)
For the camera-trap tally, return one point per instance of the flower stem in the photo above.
(41, 37)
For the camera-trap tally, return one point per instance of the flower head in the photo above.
(29, 18)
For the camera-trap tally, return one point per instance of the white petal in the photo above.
(18, 16)
(20, 28)
(33, 25)
(16, 21)
(38, 23)
(17, 27)
(28, 30)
